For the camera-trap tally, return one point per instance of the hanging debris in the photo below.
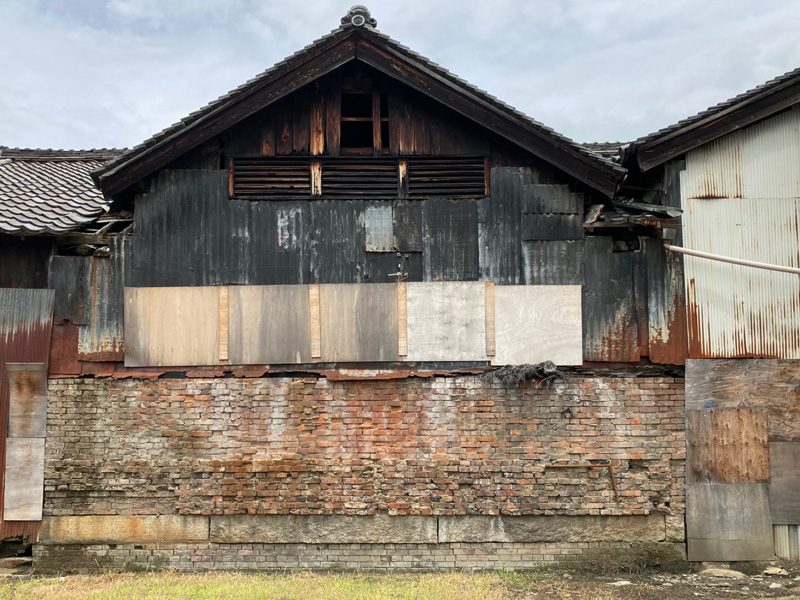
(544, 373)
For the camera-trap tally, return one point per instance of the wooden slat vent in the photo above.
(359, 178)
(258, 178)
(446, 176)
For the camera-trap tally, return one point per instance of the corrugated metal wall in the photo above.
(26, 318)
(741, 197)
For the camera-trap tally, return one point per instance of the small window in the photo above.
(364, 122)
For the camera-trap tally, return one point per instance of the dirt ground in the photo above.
(21, 584)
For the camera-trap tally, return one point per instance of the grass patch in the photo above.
(217, 586)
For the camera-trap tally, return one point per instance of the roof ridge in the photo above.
(59, 153)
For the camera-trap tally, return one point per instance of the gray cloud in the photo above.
(91, 73)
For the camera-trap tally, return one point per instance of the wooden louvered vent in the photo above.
(260, 178)
(359, 178)
(461, 177)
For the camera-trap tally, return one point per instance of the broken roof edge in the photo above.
(608, 174)
(725, 117)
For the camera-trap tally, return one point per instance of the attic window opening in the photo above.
(364, 122)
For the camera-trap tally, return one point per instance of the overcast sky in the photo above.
(110, 73)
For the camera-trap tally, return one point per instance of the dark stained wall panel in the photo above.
(450, 240)
(24, 261)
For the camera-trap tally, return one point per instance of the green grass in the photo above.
(302, 586)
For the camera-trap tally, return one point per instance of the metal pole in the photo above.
(731, 260)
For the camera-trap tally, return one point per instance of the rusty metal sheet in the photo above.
(101, 339)
(64, 350)
(737, 193)
(27, 399)
(727, 445)
(610, 326)
(25, 324)
(24, 479)
(666, 302)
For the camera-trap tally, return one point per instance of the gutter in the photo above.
(731, 260)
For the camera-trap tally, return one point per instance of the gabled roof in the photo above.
(358, 40)
(49, 191)
(714, 122)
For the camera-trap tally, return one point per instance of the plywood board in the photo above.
(446, 321)
(359, 322)
(171, 326)
(728, 522)
(402, 318)
(224, 322)
(535, 323)
(727, 445)
(784, 486)
(314, 333)
(27, 398)
(269, 324)
(24, 479)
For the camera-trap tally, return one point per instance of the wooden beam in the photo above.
(316, 178)
(314, 325)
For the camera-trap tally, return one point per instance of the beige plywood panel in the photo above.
(535, 323)
(784, 486)
(446, 321)
(358, 323)
(27, 397)
(171, 326)
(269, 325)
(727, 445)
(24, 479)
(728, 522)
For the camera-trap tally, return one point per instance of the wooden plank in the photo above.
(359, 322)
(446, 321)
(538, 323)
(317, 124)
(727, 446)
(728, 522)
(402, 318)
(402, 178)
(230, 177)
(269, 324)
(24, 479)
(316, 178)
(27, 397)
(489, 311)
(378, 228)
(224, 322)
(784, 486)
(314, 331)
(755, 383)
(171, 326)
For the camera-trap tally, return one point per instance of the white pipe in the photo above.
(733, 261)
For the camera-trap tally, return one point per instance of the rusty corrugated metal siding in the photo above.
(741, 196)
(26, 318)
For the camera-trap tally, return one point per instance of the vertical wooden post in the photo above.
(376, 123)
(402, 318)
(230, 178)
(489, 318)
(316, 178)
(317, 124)
(224, 323)
(402, 178)
(314, 326)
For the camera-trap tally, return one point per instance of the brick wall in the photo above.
(308, 446)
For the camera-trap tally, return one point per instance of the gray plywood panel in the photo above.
(269, 325)
(358, 323)
(534, 323)
(728, 522)
(27, 400)
(171, 326)
(24, 479)
(784, 486)
(446, 321)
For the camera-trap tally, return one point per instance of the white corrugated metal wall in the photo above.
(741, 197)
